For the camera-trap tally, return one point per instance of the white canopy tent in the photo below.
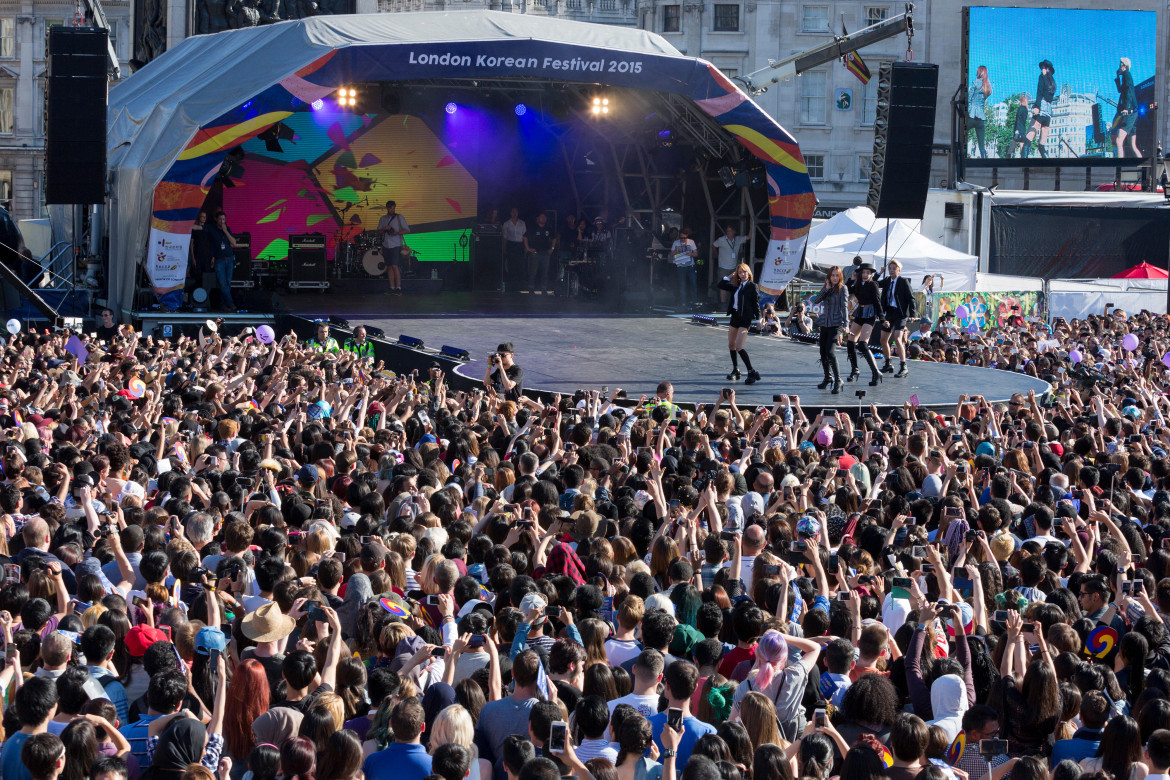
(857, 232)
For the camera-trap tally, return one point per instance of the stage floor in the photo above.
(571, 350)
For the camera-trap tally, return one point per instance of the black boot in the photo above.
(903, 371)
(1027, 150)
(865, 353)
(887, 368)
(851, 349)
(828, 379)
(837, 383)
(752, 377)
(1043, 152)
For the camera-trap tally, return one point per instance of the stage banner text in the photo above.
(166, 260)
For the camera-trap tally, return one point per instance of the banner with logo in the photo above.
(166, 260)
(781, 263)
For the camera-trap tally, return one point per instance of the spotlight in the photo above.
(318, 104)
(347, 97)
(411, 341)
(455, 353)
(374, 332)
(600, 106)
(727, 176)
(452, 108)
(521, 109)
(340, 322)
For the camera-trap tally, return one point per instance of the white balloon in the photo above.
(13, 326)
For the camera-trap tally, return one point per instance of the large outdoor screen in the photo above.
(1059, 84)
(334, 175)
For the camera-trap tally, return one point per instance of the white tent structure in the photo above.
(857, 232)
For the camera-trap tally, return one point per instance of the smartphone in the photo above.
(316, 614)
(644, 451)
(843, 595)
(797, 546)
(12, 570)
(432, 601)
(770, 570)
(1001, 616)
(993, 747)
(9, 650)
(366, 539)
(901, 588)
(834, 562)
(439, 652)
(476, 640)
(953, 511)
(1165, 546)
(820, 718)
(80, 606)
(340, 556)
(558, 735)
(964, 586)
(841, 473)
(918, 551)
(674, 503)
(674, 718)
(956, 437)
(1133, 587)
(727, 535)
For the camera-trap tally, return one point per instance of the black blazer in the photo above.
(903, 296)
(749, 300)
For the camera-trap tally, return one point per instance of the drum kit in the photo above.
(362, 256)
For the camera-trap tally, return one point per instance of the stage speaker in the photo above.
(486, 262)
(903, 137)
(1100, 129)
(306, 258)
(243, 252)
(75, 126)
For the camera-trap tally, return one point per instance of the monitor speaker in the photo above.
(903, 139)
(75, 115)
(306, 258)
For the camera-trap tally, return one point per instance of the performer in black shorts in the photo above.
(865, 291)
(898, 301)
(744, 308)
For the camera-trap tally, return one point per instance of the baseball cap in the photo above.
(210, 638)
(533, 601)
(308, 473)
(139, 638)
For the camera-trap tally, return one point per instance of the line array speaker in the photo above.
(75, 121)
(903, 136)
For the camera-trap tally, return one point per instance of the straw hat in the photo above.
(267, 624)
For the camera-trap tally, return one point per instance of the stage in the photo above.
(564, 346)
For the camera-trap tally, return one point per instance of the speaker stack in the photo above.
(903, 139)
(306, 262)
(75, 122)
(486, 257)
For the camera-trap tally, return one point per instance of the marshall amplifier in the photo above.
(306, 262)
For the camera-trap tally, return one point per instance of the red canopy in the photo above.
(1142, 271)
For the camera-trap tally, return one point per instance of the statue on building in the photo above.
(211, 16)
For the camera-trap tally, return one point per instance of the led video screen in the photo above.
(334, 175)
(1069, 85)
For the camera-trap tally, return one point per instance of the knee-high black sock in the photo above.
(747, 363)
(734, 360)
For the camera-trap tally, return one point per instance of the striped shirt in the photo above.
(834, 313)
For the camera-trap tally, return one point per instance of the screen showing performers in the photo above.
(336, 174)
(1069, 84)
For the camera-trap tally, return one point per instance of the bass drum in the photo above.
(373, 262)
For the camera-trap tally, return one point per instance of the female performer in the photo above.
(833, 298)
(744, 308)
(977, 96)
(869, 310)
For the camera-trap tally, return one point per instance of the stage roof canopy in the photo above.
(171, 123)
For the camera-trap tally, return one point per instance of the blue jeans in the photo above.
(686, 279)
(224, 268)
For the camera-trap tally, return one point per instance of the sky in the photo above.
(1083, 45)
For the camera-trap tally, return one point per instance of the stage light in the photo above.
(703, 319)
(727, 176)
(452, 108)
(600, 106)
(347, 97)
(410, 341)
(318, 104)
(455, 353)
(521, 109)
(340, 322)
(374, 332)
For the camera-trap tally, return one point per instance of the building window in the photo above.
(875, 14)
(7, 38)
(812, 97)
(6, 102)
(608, 5)
(730, 72)
(816, 166)
(726, 17)
(864, 162)
(815, 19)
(671, 18)
(573, 5)
(869, 97)
(6, 189)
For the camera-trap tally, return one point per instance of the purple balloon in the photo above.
(1075, 356)
(962, 312)
(1166, 360)
(1130, 342)
(265, 334)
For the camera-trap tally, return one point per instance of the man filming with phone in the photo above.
(502, 376)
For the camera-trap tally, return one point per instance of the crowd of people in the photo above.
(226, 559)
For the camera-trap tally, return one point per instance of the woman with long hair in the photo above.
(1120, 751)
(758, 715)
(599, 681)
(862, 762)
(868, 311)
(780, 680)
(342, 757)
(977, 95)
(454, 724)
(634, 740)
(81, 749)
(594, 632)
(771, 763)
(834, 310)
(248, 694)
(744, 308)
